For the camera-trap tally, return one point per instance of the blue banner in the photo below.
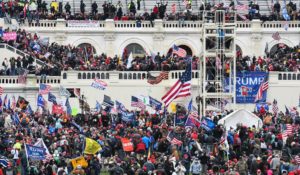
(180, 120)
(155, 104)
(247, 85)
(35, 153)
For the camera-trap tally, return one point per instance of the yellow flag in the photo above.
(91, 146)
(79, 161)
(173, 107)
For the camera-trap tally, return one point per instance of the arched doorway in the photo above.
(185, 47)
(88, 47)
(136, 50)
(239, 52)
(280, 47)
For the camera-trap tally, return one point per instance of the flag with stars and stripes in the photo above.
(182, 88)
(172, 139)
(178, 51)
(136, 102)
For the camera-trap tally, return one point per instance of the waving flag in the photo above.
(192, 121)
(178, 51)
(155, 104)
(120, 108)
(8, 104)
(285, 14)
(262, 88)
(69, 109)
(44, 89)
(156, 80)
(51, 98)
(129, 61)
(40, 101)
(91, 146)
(4, 161)
(22, 103)
(107, 101)
(207, 124)
(136, 102)
(172, 139)
(240, 6)
(181, 88)
(64, 92)
(15, 119)
(1, 103)
(29, 111)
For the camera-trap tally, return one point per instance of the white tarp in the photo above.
(241, 116)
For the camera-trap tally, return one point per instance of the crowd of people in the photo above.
(37, 10)
(57, 57)
(254, 150)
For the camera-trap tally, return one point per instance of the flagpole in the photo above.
(26, 155)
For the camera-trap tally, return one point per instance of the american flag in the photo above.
(155, 80)
(135, 102)
(181, 88)
(22, 76)
(1, 90)
(173, 8)
(288, 131)
(275, 107)
(179, 51)
(276, 36)
(263, 87)
(173, 140)
(44, 89)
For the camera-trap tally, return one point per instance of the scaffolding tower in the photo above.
(217, 83)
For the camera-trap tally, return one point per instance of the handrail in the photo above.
(21, 53)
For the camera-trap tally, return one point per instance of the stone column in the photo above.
(109, 37)
(258, 47)
(158, 37)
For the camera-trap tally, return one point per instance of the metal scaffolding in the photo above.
(217, 84)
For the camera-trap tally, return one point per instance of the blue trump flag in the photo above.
(35, 152)
(40, 101)
(29, 110)
(247, 86)
(120, 108)
(180, 120)
(207, 124)
(155, 104)
(128, 117)
(52, 98)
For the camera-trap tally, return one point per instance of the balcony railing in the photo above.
(157, 23)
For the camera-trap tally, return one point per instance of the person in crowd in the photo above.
(82, 7)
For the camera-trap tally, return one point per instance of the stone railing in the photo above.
(289, 76)
(133, 24)
(280, 24)
(61, 23)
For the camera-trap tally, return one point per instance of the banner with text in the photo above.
(35, 152)
(83, 23)
(247, 85)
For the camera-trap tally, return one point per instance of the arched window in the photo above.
(275, 48)
(98, 75)
(88, 75)
(84, 76)
(93, 76)
(120, 76)
(136, 50)
(107, 76)
(102, 76)
(87, 48)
